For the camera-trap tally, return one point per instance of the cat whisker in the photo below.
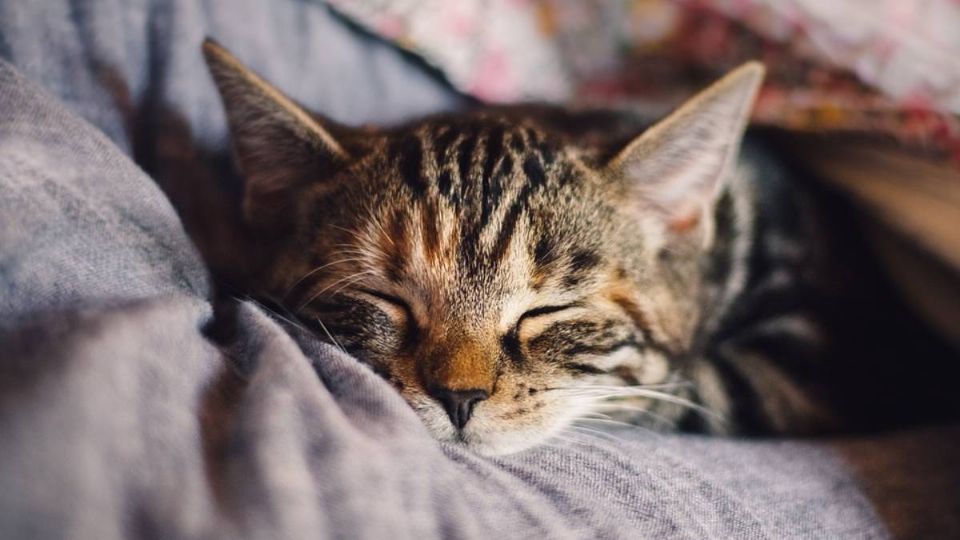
(292, 321)
(389, 238)
(595, 433)
(700, 409)
(355, 234)
(638, 411)
(569, 441)
(654, 386)
(350, 249)
(605, 394)
(621, 425)
(314, 271)
(331, 285)
(329, 335)
(356, 278)
(603, 419)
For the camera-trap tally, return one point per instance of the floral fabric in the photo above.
(887, 67)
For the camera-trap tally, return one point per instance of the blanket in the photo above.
(125, 414)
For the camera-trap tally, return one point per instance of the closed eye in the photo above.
(511, 340)
(545, 310)
(399, 305)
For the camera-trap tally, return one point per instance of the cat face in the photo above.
(491, 305)
(503, 277)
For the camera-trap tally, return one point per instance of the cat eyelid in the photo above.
(396, 301)
(545, 310)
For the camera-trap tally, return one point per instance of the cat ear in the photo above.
(278, 143)
(676, 170)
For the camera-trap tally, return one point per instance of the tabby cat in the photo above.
(512, 270)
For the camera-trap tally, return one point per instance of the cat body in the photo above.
(510, 270)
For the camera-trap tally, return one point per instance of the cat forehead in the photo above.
(488, 131)
(491, 169)
(476, 158)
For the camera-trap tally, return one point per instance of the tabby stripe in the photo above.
(510, 222)
(536, 179)
(409, 152)
(748, 413)
(429, 230)
(445, 183)
(492, 150)
(511, 345)
(533, 139)
(442, 143)
(397, 260)
(545, 252)
(536, 176)
(642, 326)
(584, 369)
(628, 343)
(581, 263)
(465, 158)
(547, 154)
(795, 354)
(517, 143)
(501, 178)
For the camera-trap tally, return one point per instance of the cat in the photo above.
(511, 270)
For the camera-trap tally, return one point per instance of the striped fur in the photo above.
(555, 263)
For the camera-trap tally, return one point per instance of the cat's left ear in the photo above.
(279, 144)
(675, 171)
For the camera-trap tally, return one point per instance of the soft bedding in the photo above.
(125, 413)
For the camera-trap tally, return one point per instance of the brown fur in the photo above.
(488, 251)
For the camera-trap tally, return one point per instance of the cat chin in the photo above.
(499, 442)
(489, 436)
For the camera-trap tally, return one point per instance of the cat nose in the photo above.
(459, 404)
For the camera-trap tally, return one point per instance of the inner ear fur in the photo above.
(279, 145)
(675, 171)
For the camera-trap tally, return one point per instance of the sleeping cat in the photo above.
(510, 270)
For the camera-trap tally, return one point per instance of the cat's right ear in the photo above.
(278, 143)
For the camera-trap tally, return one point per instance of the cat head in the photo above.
(504, 276)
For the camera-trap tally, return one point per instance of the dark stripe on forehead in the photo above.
(500, 179)
(517, 143)
(510, 221)
(465, 157)
(492, 150)
(430, 230)
(536, 176)
(445, 183)
(547, 154)
(536, 179)
(533, 138)
(506, 167)
(444, 137)
(408, 151)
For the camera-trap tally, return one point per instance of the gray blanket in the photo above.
(120, 418)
